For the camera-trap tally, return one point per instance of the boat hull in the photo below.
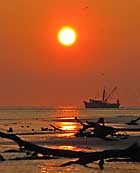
(101, 105)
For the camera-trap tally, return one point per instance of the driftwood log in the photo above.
(83, 158)
(39, 149)
(98, 129)
(133, 122)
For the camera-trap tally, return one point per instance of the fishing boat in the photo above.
(103, 103)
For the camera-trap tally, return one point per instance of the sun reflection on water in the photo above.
(46, 169)
(65, 135)
(68, 129)
(66, 119)
(69, 113)
(68, 126)
(67, 147)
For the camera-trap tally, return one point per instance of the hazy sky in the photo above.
(36, 70)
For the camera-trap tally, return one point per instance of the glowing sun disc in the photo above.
(67, 36)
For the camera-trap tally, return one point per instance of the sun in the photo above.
(67, 36)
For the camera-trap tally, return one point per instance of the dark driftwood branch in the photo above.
(84, 158)
(133, 122)
(98, 130)
(43, 150)
(133, 153)
(56, 128)
(28, 158)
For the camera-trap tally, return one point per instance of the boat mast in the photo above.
(111, 93)
(103, 97)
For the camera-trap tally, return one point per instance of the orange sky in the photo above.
(36, 70)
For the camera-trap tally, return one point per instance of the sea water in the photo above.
(27, 123)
